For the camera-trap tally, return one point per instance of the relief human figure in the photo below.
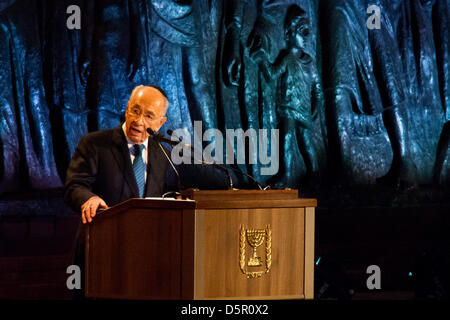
(251, 26)
(298, 98)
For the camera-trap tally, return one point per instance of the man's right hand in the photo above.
(89, 208)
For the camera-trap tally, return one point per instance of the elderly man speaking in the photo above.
(111, 166)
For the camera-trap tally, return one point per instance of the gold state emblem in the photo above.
(255, 238)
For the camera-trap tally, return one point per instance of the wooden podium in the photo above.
(233, 244)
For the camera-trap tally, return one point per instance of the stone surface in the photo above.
(355, 107)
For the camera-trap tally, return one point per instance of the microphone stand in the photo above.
(221, 167)
(225, 168)
(157, 137)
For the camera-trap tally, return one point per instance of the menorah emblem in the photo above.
(255, 238)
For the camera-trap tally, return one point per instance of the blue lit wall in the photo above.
(379, 98)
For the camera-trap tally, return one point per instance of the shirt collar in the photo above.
(131, 143)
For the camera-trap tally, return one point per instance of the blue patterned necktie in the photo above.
(139, 168)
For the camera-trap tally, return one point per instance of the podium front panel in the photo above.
(250, 253)
(135, 255)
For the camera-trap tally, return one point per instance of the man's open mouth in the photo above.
(136, 131)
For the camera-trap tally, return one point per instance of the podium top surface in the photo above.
(241, 194)
(150, 203)
(210, 199)
(220, 199)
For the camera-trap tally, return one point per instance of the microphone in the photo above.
(158, 137)
(161, 138)
(170, 132)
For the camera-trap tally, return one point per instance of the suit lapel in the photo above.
(122, 156)
(151, 154)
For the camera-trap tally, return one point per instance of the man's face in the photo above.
(145, 109)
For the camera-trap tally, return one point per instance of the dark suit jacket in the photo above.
(101, 166)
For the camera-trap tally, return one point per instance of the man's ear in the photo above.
(161, 122)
